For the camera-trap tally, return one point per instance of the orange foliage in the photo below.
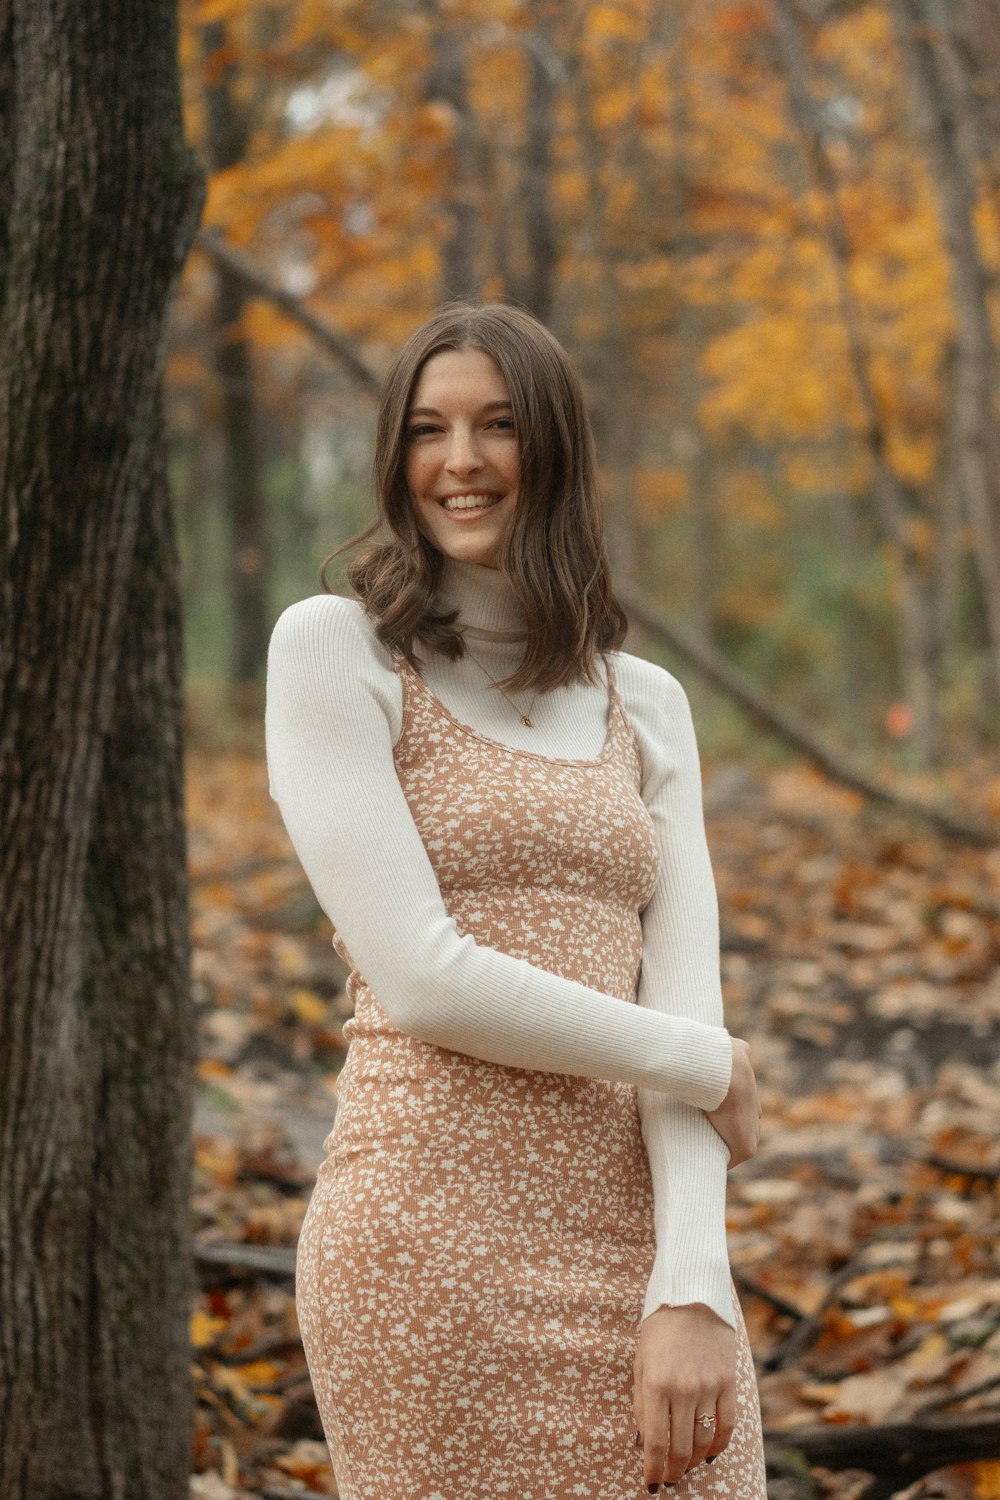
(690, 236)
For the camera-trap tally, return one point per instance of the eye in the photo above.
(421, 429)
(505, 422)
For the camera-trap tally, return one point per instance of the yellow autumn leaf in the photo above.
(612, 106)
(203, 1329)
(210, 1070)
(260, 1372)
(987, 1472)
(309, 1008)
(928, 1350)
(613, 23)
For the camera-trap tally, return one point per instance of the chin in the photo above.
(478, 557)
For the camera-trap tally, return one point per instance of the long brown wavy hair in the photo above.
(553, 551)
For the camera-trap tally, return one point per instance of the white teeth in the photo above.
(470, 502)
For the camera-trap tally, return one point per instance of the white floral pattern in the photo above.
(472, 1265)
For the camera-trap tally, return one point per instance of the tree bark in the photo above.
(95, 1398)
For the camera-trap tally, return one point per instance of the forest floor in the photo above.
(861, 959)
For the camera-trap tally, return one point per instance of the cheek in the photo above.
(419, 470)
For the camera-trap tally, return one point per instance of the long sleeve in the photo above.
(329, 752)
(680, 976)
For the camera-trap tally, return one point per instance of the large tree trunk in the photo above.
(95, 1396)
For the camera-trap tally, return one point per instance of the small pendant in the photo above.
(527, 721)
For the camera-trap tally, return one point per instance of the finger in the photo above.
(681, 1447)
(704, 1432)
(637, 1388)
(725, 1420)
(655, 1428)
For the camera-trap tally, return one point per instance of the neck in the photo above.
(484, 598)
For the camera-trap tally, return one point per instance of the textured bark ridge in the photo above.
(100, 200)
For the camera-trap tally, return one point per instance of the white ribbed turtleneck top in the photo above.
(333, 715)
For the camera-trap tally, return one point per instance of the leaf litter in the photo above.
(860, 958)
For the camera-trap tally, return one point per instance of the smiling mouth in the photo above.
(470, 502)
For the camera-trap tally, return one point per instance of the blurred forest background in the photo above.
(770, 237)
(769, 234)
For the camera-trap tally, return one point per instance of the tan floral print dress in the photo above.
(473, 1261)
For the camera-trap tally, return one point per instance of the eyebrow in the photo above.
(432, 411)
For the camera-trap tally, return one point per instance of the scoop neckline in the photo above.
(485, 739)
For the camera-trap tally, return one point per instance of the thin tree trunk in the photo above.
(890, 498)
(942, 89)
(950, 557)
(618, 423)
(684, 374)
(249, 548)
(851, 623)
(975, 33)
(448, 83)
(95, 1399)
(249, 561)
(539, 286)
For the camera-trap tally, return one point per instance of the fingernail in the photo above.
(712, 1459)
(652, 1488)
(638, 1438)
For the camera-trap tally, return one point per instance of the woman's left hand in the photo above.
(685, 1367)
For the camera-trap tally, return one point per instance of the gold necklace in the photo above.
(525, 718)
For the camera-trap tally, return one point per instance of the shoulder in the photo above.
(326, 632)
(647, 689)
(324, 619)
(657, 708)
(327, 644)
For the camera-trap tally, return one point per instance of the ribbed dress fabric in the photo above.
(517, 1173)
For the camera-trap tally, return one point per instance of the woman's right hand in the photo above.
(737, 1118)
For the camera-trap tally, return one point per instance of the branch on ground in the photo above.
(897, 1454)
(715, 669)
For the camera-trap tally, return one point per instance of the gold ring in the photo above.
(706, 1420)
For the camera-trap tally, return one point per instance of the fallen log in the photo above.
(895, 1455)
(267, 1260)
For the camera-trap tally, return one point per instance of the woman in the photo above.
(513, 1269)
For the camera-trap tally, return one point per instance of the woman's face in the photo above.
(462, 455)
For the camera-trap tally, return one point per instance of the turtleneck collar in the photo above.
(484, 598)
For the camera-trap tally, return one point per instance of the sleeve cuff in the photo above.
(708, 1283)
(702, 1065)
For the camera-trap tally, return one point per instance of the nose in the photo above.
(463, 451)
